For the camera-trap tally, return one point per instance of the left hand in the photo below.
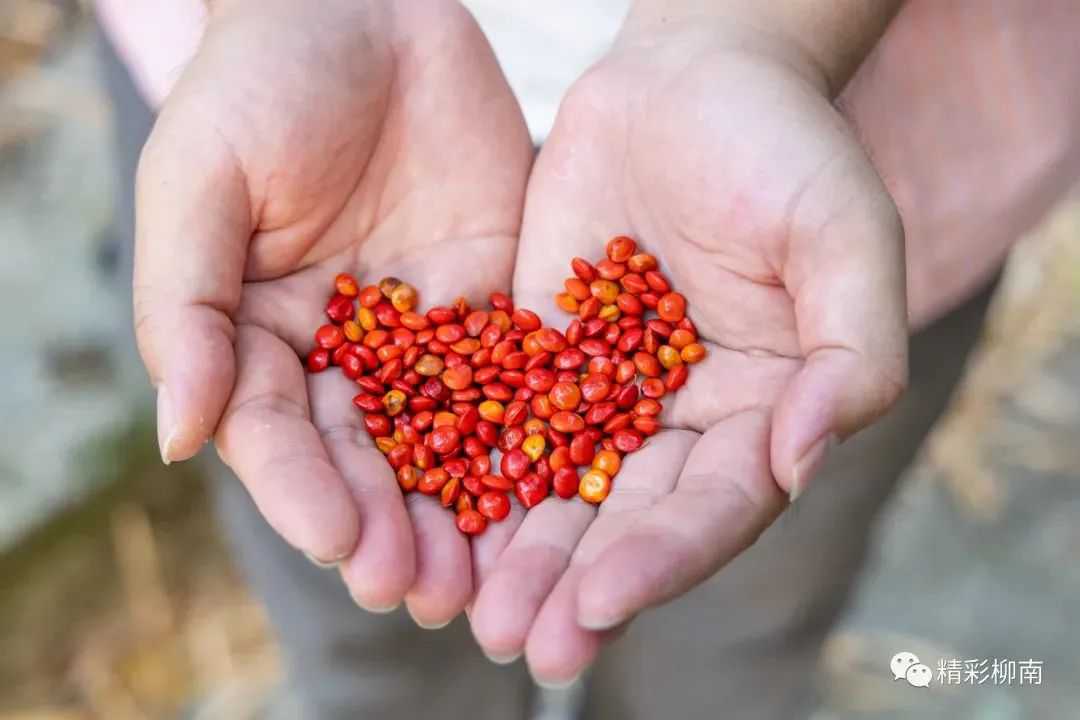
(723, 156)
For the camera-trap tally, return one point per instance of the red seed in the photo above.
(583, 269)
(657, 282)
(377, 425)
(444, 440)
(620, 248)
(653, 388)
(565, 482)
(565, 395)
(493, 505)
(387, 315)
(642, 262)
(329, 337)
(608, 270)
(617, 422)
(340, 308)
(531, 490)
(408, 477)
(646, 425)
(676, 377)
(488, 432)
(598, 414)
(525, 320)
(473, 485)
(496, 482)
(629, 304)
(423, 456)
(594, 346)
(582, 450)
(671, 307)
(515, 464)
(450, 491)
(471, 522)
(414, 321)
(634, 283)
(627, 440)
(567, 422)
(595, 388)
(368, 403)
(318, 360)
(498, 391)
(569, 359)
(475, 322)
(500, 301)
(480, 465)
(433, 481)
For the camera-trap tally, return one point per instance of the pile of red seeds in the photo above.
(440, 390)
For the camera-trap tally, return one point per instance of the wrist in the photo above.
(826, 42)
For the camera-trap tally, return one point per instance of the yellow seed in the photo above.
(608, 461)
(609, 313)
(366, 318)
(594, 486)
(604, 290)
(567, 302)
(492, 411)
(533, 446)
(693, 353)
(403, 297)
(534, 425)
(387, 285)
(394, 402)
(444, 417)
(500, 319)
(385, 444)
(668, 357)
(429, 365)
(353, 331)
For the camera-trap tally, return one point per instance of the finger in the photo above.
(383, 567)
(558, 648)
(847, 281)
(489, 546)
(192, 226)
(443, 567)
(515, 587)
(267, 438)
(724, 499)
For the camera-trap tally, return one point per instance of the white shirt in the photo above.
(542, 47)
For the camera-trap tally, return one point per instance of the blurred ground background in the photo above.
(118, 600)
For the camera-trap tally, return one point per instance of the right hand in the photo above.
(303, 140)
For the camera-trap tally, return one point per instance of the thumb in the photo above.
(193, 221)
(847, 281)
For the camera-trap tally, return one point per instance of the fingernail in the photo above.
(808, 465)
(425, 625)
(322, 564)
(166, 424)
(382, 610)
(557, 684)
(501, 659)
(598, 623)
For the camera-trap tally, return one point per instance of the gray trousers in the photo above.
(742, 645)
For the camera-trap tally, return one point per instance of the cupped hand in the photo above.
(305, 140)
(722, 154)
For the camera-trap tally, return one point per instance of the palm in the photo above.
(686, 161)
(382, 153)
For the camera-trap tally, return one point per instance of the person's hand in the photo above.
(976, 137)
(307, 139)
(717, 148)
